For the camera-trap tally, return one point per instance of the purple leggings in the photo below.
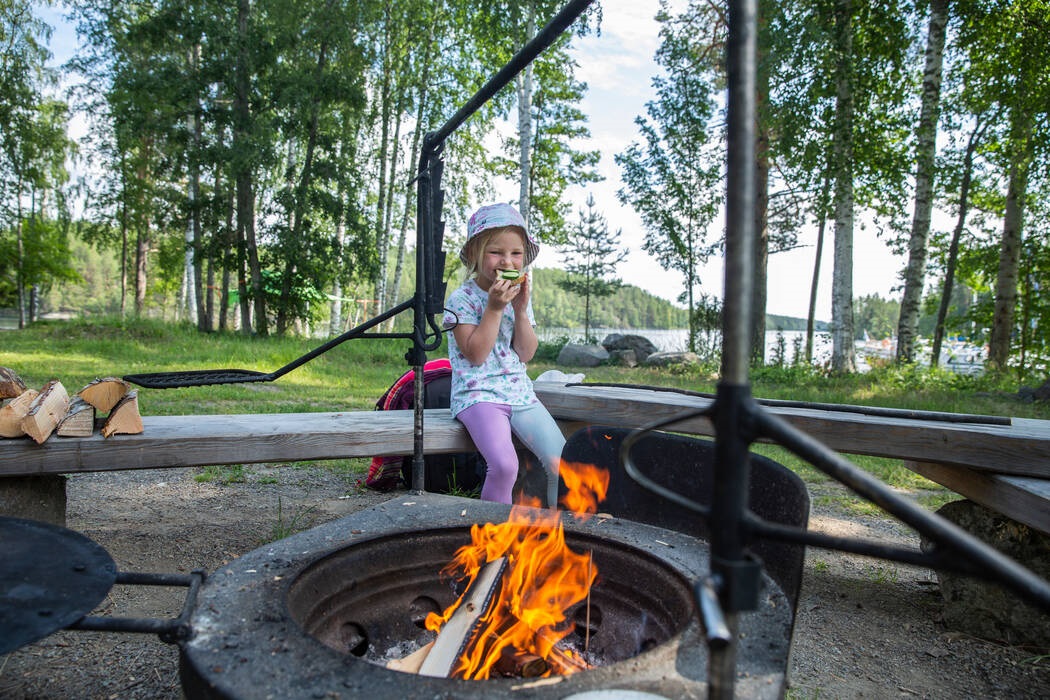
(490, 426)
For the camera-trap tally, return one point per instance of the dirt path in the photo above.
(865, 628)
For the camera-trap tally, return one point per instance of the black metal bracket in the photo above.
(171, 631)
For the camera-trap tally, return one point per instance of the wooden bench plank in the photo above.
(1021, 449)
(1024, 499)
(186, 441)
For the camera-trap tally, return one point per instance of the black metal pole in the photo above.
(735, 577)
(417, 354)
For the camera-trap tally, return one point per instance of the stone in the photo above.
(985, 609)
(625, 358)
(1043, 392)
(580, 355)
(41, 497)
(664, 359)
(642, 346)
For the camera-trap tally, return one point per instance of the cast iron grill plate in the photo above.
(50, 577)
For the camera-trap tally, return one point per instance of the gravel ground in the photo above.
(865, 629)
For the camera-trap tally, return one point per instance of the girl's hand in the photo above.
(502, 292)
(521, 301)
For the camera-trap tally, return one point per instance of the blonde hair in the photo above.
(479, 241)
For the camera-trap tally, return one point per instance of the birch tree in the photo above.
(926, 151)
(1007, 57)
(672, 178)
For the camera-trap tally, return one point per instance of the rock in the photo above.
(1043, 392)
(579, 355)
(984, 609)
(642, 347)
(626, 358)
(663, 359)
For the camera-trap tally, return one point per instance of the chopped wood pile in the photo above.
(39, 414)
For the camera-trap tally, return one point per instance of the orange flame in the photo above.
(543, 580)
(586, 486)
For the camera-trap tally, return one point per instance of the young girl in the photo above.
(492, 338)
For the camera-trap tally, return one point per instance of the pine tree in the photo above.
(592, 254)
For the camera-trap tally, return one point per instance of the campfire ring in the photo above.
(294, 618)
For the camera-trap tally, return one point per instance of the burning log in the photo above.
(46, 410)
(105, 393)
(11, 385)
(79, 420)
(520, 664)
(412, 662)
(461, 628)
(124, 419)
(12, 413)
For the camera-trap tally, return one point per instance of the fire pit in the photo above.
(318, 614)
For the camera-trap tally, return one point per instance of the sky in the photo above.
(618, 67)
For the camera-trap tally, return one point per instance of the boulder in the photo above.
(580, 355)
(642, 347)
(1043, 392)
(663, 359)
(625, 358)
(987, 610)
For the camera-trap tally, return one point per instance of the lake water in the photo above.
(959, 357)
(677, 340)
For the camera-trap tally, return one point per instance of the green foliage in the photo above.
(591, 258)
(627, 307)
(875, 316)
(672, 179)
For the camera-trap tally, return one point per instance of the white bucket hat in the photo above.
(498, 215)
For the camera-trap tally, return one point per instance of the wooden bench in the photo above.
(1005, 467)
(194, 441)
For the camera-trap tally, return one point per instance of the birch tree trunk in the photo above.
(249, 251)
(142, 234)
(843, 356)
(335, 316)
(1010, 248)
(382, 233)
(915, 273)
(191, 296)
(524, 86)
(761, 263)
(822, 221)
(20, 283)
(760, 292)
(953, 247)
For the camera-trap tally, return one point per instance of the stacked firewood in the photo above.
(39, 414)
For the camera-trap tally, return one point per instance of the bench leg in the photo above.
(35, 498)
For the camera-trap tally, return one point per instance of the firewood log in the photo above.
(412, 662)
(46, 411)
(124, 419)
(11, 385)
(14, 411)
(104, 393)
(79, 420)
